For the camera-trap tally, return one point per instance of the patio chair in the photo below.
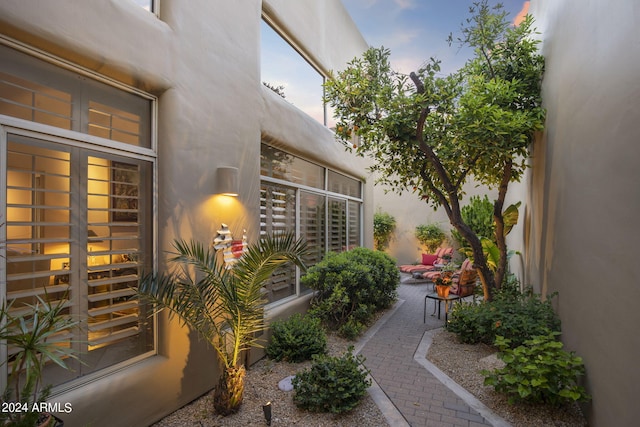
(464, 279)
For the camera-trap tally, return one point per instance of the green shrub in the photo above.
(351, 287)
(539, 371)
(430, 235)
(478, 215)
(332, 384)
(383, 276)
(296, 339)
(518, 317)
(383, 226)
(351, 329)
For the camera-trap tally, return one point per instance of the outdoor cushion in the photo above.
(429, 259)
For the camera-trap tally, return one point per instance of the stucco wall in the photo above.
(201, 58)
(585, 198)
(410, 211)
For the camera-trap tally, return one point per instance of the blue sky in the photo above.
(415, 30)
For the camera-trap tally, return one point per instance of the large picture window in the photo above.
(299, 82)
(78, 215)
(320, 205)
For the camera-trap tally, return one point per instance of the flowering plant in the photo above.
(443, 280)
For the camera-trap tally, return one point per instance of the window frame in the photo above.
(327, 195)
(279, 31)
(92, 144)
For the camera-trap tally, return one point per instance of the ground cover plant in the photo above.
(517, 316)
(296, 339)
(538, 371)
(351, 286)
(332, 384)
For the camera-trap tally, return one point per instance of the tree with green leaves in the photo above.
(224, 305)
(430, 134)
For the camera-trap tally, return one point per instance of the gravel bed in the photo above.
(261, 386)
(463, 363)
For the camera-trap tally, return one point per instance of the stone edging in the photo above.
(420, 356)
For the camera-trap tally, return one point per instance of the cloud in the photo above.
(520, 16)
(401, 37)
(405, 4)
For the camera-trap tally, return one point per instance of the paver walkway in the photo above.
(395, 353)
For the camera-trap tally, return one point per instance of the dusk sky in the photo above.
(414, 31)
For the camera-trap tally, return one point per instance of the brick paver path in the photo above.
(419, 396)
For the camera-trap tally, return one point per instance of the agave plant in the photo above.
(225, 306)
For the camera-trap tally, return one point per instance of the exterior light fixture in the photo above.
(266, 408)
(227, 181)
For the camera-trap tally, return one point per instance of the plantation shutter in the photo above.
(354, 224)
(114, 247)
(38, 224)
(337, 225)
(278, 216)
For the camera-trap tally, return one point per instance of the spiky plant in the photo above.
(34, 336)
(225, 306)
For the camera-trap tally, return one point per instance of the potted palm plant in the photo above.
(31, 335)
(224, 305)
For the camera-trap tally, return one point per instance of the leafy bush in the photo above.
(430, 235)
(351, 287)
(332, 384)
(517, 317)
(296, 339)
(478, 215)
(539, 371)
(383, 226)
(351, 329)
(383, 275)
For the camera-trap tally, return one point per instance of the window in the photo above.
(43, 93)
(149, 5)
(79, 215)
(282, 66)
(320, 205)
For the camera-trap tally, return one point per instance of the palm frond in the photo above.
(225, 306)
(261, 260)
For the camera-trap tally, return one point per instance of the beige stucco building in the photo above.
(114, 122)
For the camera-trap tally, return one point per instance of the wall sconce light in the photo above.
(227, 181)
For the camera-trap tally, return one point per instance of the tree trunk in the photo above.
(498, 219)
(227, 397)
(480, 261)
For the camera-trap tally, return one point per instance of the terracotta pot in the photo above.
(443, 291)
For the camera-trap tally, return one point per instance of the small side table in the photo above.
(434, 296)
